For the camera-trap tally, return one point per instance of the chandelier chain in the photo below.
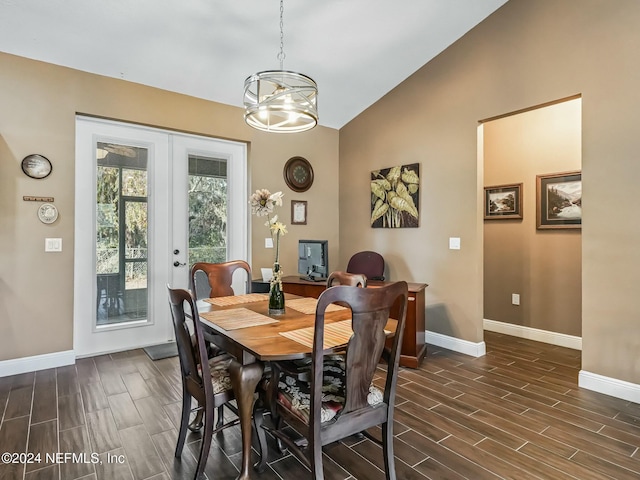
(281, 55)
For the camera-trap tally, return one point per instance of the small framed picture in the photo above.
(298, 212)
(559, 200)
(502, 202)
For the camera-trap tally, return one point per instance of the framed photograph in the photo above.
(298, 212)
(502, 202)
(559, 200)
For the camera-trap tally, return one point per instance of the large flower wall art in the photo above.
(395, 197)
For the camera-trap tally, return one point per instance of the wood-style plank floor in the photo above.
(516, 413)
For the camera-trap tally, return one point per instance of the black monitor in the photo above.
(313, 260)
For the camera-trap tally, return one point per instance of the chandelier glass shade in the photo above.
(280, 101)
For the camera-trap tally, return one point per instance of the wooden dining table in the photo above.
(242, 326)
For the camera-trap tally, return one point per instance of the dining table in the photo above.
(243, 327)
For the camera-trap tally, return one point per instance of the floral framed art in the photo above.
(559, 200)
(395, 197)
(502, 202)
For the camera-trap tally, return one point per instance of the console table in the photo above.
(413, 343)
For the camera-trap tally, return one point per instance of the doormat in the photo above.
(164, 350)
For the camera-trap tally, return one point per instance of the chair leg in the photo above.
(220, 420)
(387, 449)
(315, 457)
(205, 446)
(184, 421)
(258, 420)
(196, 424)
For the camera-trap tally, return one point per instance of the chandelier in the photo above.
(280, 101)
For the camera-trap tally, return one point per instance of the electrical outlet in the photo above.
(515, 299)
(268, 243)
(454, 243)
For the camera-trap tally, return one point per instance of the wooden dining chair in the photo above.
(205, 379)
(344, 278)
(219, 277)
(210, 280)
(340, 399)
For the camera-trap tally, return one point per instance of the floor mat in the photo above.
(164, 350)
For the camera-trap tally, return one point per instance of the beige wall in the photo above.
(39, 103)
(525, 54)
(543, 266)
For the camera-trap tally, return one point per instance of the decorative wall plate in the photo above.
(298, 174)
(36, 166)
(48, 213)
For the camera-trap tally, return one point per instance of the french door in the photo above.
(149, 203)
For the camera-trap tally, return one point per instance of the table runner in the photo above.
(235, 318)
(308, 306)
(237, 299)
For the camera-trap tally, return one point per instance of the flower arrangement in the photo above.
(263, 204)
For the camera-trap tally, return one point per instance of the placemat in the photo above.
(308, 306)
(237, 299)
(235, 318)
(337, 333)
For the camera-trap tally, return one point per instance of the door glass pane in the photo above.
(122, 233)
(207, 209)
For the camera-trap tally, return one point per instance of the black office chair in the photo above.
(368, 263)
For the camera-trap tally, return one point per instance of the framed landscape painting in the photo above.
(559, 200)
(503, 202)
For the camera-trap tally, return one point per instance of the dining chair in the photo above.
(368, 263)
(345, 278)
(340, 398)
(205, 379)
(219, 277)
(210, 280)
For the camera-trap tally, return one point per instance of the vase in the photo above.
(276, 295)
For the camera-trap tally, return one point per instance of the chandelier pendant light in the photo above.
(280, 101)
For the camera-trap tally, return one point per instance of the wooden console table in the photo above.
(413, 344)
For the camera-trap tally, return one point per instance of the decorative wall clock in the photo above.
(36, 166)
(48, 213)
(298, 174)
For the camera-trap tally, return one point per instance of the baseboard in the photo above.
(456, 344)
(37, 362)
(559, 339)
(609, 386)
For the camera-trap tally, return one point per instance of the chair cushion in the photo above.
(220, 378)
(295, 394)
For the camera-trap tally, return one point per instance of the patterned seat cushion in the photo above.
(295, 394)
(220, 378)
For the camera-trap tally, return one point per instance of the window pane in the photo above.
(207, 209)
(121, 240)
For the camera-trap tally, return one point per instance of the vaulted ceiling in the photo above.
(356, 50)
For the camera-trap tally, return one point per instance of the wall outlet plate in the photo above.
(268, 243)
(454, 243)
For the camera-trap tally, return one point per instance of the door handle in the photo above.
(178, 264)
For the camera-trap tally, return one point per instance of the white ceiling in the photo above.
(356, 50)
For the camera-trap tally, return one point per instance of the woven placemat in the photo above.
(337, 333)
(308, 306)
(236, 318)
(237, 299)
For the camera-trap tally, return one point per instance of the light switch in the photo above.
(515, 299)
(52, 244)
(454, 243)
(268, 242)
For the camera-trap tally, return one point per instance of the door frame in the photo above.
(87, 338)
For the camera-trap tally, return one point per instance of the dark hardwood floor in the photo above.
(515, 413)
